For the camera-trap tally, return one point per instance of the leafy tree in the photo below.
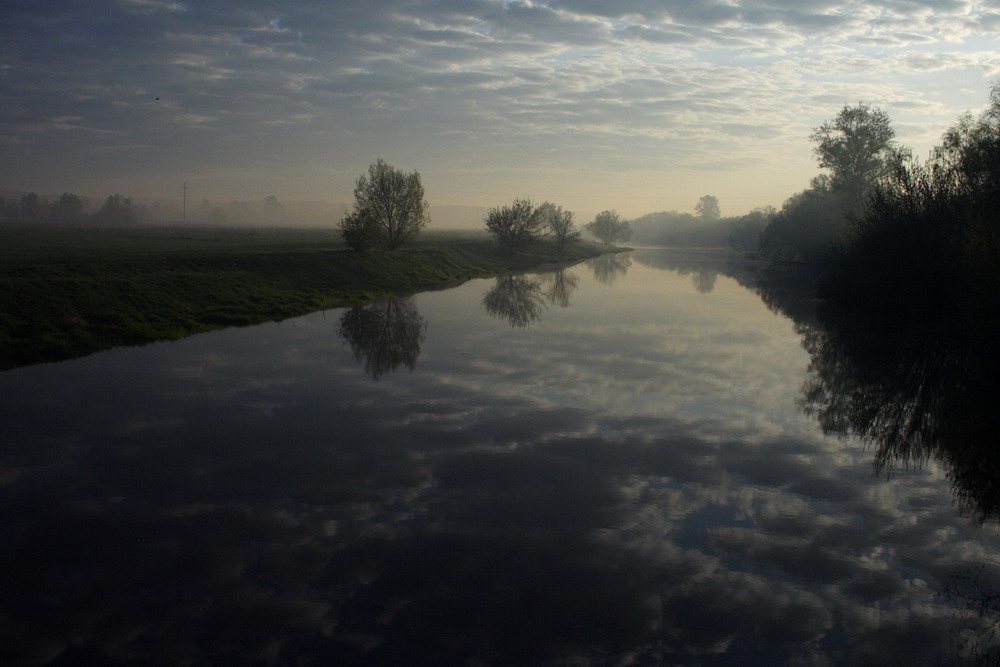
(707, 208)
(559, 223)
(857, 146)
(117, 210)
(609, 228)
(360, 230)
(930, 237)
(745, 231)
(396, 201)
(272, 209)
(31, 208)
(68, 210)
(515, 226)
(807, 226)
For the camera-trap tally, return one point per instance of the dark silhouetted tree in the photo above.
(360, 230)
(808, 225)
(515, 226)
(857, 146)
(609, 228)
(117, 210)
(272, 210)
(745, 230)
(394, 199)
(30, 209)
(67, 210)
(707, 209)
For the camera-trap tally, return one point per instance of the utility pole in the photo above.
(185, 205)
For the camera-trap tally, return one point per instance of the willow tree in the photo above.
(394, 199)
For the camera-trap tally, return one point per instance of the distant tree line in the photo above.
(68, 209)
(705, 228)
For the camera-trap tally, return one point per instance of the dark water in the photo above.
(631, 461)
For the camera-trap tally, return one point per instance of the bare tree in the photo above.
(394, 199)
(559, 223)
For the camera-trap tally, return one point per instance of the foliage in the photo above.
(745, 231)
(609, 228)
(856, 146)
(360, 230)
(515, 226)
(807, 226)
(67, 210)
(559, 223)
(116, 211)
(930, 237)
(672, 228)
(707, 209)
(395, 199)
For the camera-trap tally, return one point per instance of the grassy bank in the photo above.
(69, 292)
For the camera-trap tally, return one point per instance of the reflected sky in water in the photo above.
(617, 472)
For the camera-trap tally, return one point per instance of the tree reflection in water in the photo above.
(384, 335)
(560, 286)
(515, 298)
(607, 268)
(915, 391)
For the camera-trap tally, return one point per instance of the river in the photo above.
(643, 459)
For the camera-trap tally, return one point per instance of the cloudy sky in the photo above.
(637, 105)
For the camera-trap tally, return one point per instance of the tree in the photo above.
(360, 230)
(272, 209)
(745, 231)
(609, 228)
(515, 226)
(68, 210)
(929, 241)
(396, 201)
(31, 208)
(857, 147)
(117, 210)
(559, 223)
(707, 208)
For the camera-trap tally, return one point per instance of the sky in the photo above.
(632, 105)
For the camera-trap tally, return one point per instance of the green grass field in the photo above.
(66, 292)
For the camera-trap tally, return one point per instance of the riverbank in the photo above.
(70, 292)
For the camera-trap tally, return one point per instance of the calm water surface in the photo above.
(630, 461)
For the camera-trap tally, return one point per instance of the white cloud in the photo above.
(636, 85)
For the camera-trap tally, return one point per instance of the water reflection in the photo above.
(608, 268)
(515, 298)
(637, 486)
(384, 335)
(916, 391)
(560, 285)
